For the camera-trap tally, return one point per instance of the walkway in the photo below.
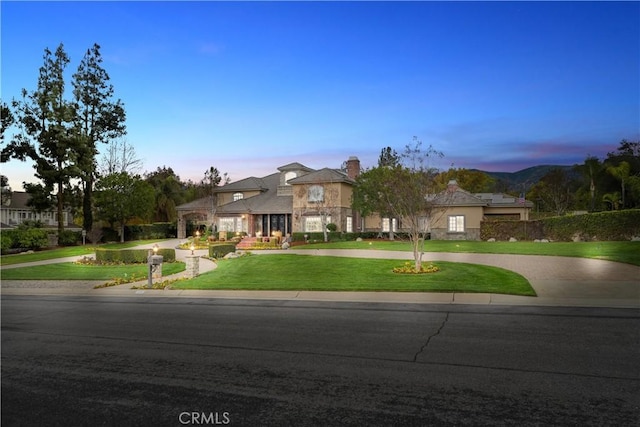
(561, 281)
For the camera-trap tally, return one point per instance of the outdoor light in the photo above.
(193, 247)
(155, 249)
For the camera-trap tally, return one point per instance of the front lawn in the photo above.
(627, 252)
(327, 273)
(73, 271)
(69, 251)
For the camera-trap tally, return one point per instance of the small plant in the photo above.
(410, 268)
(121, 281)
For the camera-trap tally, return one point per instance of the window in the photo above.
(227, 224)
(349, 224)
(316, 193)
(456, 223)
(237, 196)
(387, 223)
(288, 176)
(314, 224)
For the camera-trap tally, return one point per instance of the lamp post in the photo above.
(153, 260)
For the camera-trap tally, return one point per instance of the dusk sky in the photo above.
(251, 86)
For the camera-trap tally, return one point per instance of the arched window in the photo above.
(237, 196)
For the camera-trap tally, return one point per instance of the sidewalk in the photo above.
(558, 281)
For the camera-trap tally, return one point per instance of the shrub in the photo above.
(69, 238)
(219, 250)
(614, 225)
(6, 242)
(30, 238)
(157, 230)
(131, 256)
(332, 227)
(410, 268)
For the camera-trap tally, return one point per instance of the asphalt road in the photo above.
(82, 361)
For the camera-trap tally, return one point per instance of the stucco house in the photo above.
(294, 199)
(299, 199)
(458, 213)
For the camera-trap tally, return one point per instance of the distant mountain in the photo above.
(523, 179)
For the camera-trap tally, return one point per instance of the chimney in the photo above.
(353, 167)
(452, 186)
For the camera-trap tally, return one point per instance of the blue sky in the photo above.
(251, 86)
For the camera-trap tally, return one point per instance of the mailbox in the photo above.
(156, 259)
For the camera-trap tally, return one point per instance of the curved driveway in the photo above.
(551, 276)
(556, 280)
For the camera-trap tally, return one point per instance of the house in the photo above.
(299, 199)
(294, 199)
(15, 210)
(458, 213)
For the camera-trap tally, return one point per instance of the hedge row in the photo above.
(504, 230)
(612, 226)
(219, 250)
(131, 256)
(157, 230)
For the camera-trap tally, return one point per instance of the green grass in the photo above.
(326, 273)
(627, 252)
(67, 252)
(72, 271)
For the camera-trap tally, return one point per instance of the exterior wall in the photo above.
(337, 200)
(472, 218)
(496, 210)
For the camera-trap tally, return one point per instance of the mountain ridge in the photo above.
(524, 179)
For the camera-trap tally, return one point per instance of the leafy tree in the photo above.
(48, 136)
(121, 197)
(621, 173)
(5, 190)
(472, 181)
(402, 191)
(555, 190)
(6, 120)
(592, 171)
(388, 157)
(98, 119)
(168, 193)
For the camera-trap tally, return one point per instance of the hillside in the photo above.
(523, 179)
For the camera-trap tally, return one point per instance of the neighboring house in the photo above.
(15, 211)
(459, 213)
(301, 199)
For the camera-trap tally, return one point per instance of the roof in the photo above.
(461, 197)
(247, 184)
(202, 203)
(18, 200)
(500, 199)
(322, 176)
(267, 202)
(457, 197)
(294, 167)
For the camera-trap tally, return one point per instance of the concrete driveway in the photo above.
(564, 281)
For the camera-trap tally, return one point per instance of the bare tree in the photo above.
(119, 156)
(322, 199)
